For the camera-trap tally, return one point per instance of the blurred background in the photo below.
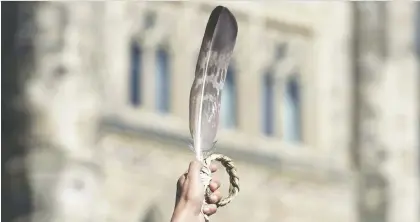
(320, 110)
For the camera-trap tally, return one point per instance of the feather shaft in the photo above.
(210, 74)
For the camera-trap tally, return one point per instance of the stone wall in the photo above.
(146, 168)
(94, 157)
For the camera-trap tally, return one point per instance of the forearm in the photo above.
(184, 215)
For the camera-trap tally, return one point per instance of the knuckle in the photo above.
(181, 181)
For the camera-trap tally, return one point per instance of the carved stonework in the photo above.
(65, 106)
(370, 56)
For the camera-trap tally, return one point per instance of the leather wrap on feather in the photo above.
(210, 74)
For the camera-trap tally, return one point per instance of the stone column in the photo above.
(372, 186)
(45, 156)
(387, 156)
(65, 101)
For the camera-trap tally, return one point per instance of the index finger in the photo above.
(194, 170)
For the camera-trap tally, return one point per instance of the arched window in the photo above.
(291, 110)
(228, 105)
(268, 105)
(135, 74)
(162, 80)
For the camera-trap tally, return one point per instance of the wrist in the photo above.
(182, 215)
(186, 212)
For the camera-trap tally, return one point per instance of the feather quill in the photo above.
(210, 74)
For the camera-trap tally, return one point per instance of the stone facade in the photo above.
(96, 157)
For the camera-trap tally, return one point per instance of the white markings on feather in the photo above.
(197, 138)
(210, 86)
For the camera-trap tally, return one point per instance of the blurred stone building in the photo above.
(109, 94)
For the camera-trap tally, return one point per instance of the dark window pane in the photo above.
(135, 74)
(162, 81)
(291, 111)
(268, 104)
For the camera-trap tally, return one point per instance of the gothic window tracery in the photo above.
(281, 96)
